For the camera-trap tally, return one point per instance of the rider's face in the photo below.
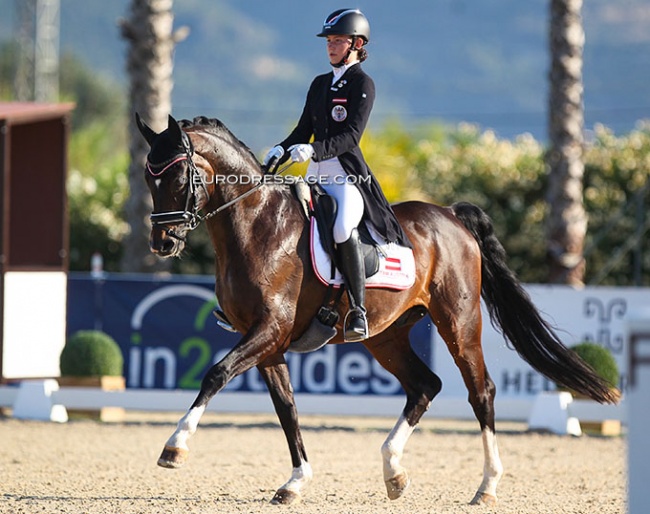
(337, 48)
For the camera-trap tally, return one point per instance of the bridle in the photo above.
(190, 216)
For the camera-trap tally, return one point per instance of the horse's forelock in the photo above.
(166, 146)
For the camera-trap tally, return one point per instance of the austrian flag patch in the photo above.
(340, 100)
(393, 264)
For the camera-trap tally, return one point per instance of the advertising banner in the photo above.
(170, 338)
(595, 314)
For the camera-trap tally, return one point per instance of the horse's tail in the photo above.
(511, 309)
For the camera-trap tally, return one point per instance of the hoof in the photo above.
(396, 486)
(285, 497)
(172, 458)
(484, 499)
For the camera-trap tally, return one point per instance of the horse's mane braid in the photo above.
(214, 126)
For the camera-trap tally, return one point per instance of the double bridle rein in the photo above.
(190, 216)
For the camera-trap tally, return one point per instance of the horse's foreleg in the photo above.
(175, 452)
(247, 353)
(276, 375)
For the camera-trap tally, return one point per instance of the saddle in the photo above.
(387, 266)
(323, 211)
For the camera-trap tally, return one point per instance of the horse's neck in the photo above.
(242, 230)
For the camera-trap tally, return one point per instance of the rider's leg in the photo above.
(346, 237)
(350, 207)
(352, 267)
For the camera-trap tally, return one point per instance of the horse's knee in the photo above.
(214, 380)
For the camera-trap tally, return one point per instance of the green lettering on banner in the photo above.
(191, 379)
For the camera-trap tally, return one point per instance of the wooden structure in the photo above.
(33, 237)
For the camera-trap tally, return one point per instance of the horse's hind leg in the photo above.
(393, 351)
(276, 375)
(463, 337)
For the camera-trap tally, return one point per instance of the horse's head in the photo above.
(177, 188)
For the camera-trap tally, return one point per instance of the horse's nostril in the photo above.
(167, 246)
(162, 245)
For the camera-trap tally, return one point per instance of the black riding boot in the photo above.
(354, 273)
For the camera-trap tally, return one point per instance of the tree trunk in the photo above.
(151, 43)
(567, 221)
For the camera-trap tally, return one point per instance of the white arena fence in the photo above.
(163, 373)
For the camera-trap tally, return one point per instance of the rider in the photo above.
(336, 112)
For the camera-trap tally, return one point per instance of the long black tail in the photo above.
(512, 310)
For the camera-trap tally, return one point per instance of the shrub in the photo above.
(600, 359)
(91, 353)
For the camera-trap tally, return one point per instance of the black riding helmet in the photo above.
(346, 22)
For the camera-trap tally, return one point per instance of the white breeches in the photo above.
(333, 179)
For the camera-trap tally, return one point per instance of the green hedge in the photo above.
(91, 353)
(508, 179)
(600, 359)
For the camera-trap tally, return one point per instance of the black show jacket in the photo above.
(336, 116)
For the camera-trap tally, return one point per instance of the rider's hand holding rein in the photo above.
(272, 157)
(301, 152)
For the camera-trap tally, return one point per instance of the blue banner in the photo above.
(169, 337)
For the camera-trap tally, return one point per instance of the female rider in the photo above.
(336, 112)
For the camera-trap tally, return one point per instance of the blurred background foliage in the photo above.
(430, 162)
(508, 180)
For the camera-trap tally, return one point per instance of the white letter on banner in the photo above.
(383, 382)
(354, 371)
(327, 358)
(151, 355)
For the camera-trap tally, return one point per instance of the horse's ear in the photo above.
(145, 130)
(174, 128)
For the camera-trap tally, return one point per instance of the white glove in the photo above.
(301, 153)
(273, 156)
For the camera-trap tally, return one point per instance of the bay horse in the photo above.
(267, 288)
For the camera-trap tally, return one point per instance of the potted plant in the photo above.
(600, 359)
(603, 363)
(91, 358)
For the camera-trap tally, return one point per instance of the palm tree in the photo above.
(567, 221)
(151, 42)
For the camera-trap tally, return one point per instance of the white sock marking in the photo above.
(186, 427)
(300, 477)
(393, 448)
(492, 467)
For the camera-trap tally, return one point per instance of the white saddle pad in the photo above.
(396, 265)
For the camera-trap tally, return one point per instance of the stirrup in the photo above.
(223, 321)
(358, 333)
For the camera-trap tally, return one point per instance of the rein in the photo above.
(190, 215)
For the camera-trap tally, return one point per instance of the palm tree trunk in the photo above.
(151, 42)
(567, 221)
